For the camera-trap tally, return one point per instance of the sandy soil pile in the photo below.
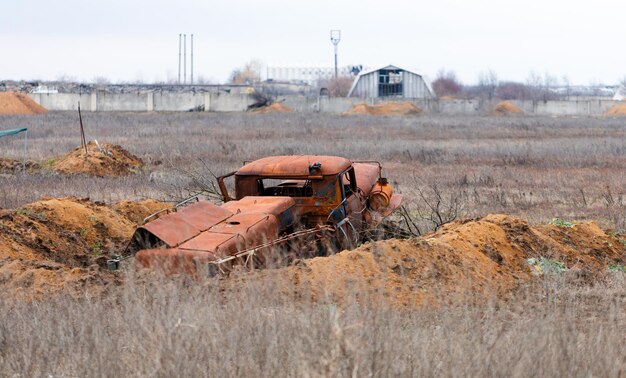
(12, 165)
(19, 103)
(506, 108)
(136, 212)
(462, 260)
(56, 244)
(617, 110)
(387, 108)
(113, 160)
(276, 107)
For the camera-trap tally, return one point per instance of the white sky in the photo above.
(126, 40)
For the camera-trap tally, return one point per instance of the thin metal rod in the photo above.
(82, 130)
(335, 62)
(185, 59)
(25, 151)
(180, 42)
(192, 59)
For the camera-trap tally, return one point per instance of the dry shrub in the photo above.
(179, 328)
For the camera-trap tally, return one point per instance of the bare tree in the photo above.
(446, 84)
(337, 87)
(250, 73)
(487, 84)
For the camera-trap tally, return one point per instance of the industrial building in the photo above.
(390, 82)
(307, 75)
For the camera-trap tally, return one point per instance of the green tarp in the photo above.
(4, 133)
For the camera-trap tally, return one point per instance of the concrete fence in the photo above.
(226, 102)
(145, 102)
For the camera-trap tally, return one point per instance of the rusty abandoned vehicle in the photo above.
(282, 207)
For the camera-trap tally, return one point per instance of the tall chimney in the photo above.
(192, 59)
(185, 59)
(180, 42)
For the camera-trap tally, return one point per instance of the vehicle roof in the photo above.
(294, 165)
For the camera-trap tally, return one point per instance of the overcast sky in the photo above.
(126, 40)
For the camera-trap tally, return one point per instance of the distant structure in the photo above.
(308, 75)
(390, 81)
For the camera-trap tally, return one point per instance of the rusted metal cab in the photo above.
(326, 190)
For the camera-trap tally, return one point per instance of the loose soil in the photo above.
(112, 160)
(479, 258)
(387, 108)
(11, 165)
(19, 103)
(61, 244)
(617, 110)
(276, 107)
(506, 108)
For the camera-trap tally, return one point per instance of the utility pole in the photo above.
(192, 59)
(180, 37)
(335, 37)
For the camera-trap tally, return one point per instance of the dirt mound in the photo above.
(19, 103)
(617, 110)
(109, 160)
(387, 108)
(12, 165)
(464, 259)
(63, 243)
(505, 108)
(276, 107)
(138, 211)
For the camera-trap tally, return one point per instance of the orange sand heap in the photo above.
(506, 108)
(61, 244)
(617, 110)
(112, 160)
(276, 107)
(19, 103)
(465, 259)
(387, 108)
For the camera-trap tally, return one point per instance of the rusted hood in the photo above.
(204, 232)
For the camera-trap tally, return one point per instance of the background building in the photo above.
(308, 75)
(390, 81)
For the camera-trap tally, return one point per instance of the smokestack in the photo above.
(192, 59)
(180, 37)
(185, 59)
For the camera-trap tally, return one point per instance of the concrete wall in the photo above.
(227, 102)
(64, 101)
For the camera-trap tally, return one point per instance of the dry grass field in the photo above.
(535, 168)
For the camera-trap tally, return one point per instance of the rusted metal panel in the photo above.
(173, 260)
(178, 227)
(366, 176)
(258, 204)
(294, 166)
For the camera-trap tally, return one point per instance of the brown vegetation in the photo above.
(19, 103)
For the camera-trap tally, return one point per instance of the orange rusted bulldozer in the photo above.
(282, 206)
